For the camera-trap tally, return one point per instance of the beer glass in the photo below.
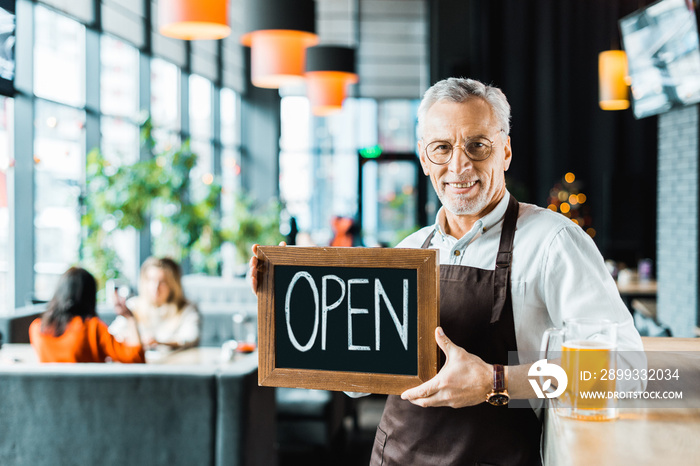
(245, 331)
(585, 349)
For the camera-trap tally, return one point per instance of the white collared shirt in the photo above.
(557, 272)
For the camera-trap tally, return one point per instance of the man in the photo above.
(508, 272)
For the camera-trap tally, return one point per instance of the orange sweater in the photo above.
(82, 341)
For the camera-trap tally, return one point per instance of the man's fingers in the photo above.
(424, 390)
(443, 341)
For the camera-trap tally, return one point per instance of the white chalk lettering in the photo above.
(287, 311)
(402, 329)
(325, 307)
(352, 311)
(379, 296)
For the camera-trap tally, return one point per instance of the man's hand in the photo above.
(464, 380)
(253, 267)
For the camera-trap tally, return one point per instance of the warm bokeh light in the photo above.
(612, 73)
(591, 232)
(277, 57)
(565, 198)
(327, 90)
(194, 19)
(207, 178)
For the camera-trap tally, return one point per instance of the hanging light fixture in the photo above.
(279, 32)
(194, 19)
(329, 70)
(613, 80)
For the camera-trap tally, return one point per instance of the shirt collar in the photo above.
(484, 223)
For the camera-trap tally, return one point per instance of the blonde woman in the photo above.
(163, 314)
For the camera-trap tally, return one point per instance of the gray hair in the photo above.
(460, 90)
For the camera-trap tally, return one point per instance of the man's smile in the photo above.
(461, 184)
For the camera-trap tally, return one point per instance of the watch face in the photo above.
(499, 399)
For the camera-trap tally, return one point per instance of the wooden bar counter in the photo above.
(641, 436)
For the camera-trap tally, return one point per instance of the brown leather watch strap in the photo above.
(499, 378)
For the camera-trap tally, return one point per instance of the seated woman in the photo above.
(163, 314)
(70, 331)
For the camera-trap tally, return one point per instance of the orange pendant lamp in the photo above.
(612, 80)
(194, 19)
(278, 34)
(329, 71)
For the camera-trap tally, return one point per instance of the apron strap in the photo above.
(427, 241)
(501, 285)
(504, 258)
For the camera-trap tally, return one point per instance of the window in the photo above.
(202, 131)
(165, 115)
(59, 58)
(165, 103)
(59, 162)
(397, 125)
(119, 78)
(119, 141)
(59, 145)
(296, 164)
(230, 143)
(230, 169)
(6, 131)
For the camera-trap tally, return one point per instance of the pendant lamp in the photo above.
(194, 19)
(278, 33)
(329, 70)
(612, 80)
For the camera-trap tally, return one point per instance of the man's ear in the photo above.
(421, 156)
(508, 155)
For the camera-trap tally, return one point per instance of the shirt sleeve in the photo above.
(578, 285)
(117, 351)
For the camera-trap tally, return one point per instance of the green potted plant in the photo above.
(252, 223)
(159, 188)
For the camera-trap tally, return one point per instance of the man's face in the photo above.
(466, 187)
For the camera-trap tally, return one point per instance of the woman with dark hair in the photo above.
(70, 331)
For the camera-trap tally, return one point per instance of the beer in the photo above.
(588, 364)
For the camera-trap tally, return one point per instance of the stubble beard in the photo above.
(464, 205)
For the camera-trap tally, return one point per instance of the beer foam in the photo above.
(588, 345)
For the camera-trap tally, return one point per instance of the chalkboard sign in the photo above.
(351, 319)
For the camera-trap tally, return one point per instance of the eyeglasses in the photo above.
(477, 149)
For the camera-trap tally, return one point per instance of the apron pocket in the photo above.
(378, 448)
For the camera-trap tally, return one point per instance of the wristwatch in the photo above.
(499, 394)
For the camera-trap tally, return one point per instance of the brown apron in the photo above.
(477, 314)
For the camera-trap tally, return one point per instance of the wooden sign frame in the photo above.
(426, 264)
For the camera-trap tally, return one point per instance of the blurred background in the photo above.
(118, 142)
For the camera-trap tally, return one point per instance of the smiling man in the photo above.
(508, 271)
